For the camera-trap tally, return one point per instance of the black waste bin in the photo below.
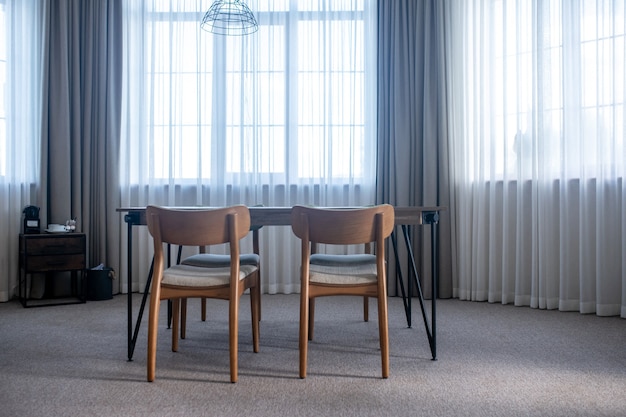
(99, 284)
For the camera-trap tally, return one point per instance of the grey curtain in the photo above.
(81, 121)
(412, 128)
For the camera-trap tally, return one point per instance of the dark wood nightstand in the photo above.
(48, 253)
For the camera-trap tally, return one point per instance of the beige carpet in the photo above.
(494, 360)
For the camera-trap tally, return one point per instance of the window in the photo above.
(293, 102)
(556, 88)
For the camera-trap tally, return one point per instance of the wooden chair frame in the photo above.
(200, 228)
(342, 227)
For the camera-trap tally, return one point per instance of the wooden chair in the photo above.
(325, 275)
(228, 282)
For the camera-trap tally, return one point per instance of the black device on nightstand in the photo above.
(31, 220)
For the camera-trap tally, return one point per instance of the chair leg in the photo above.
(183, 318)
(304, 331)
(153, 327)
(383, 329)
(366, 309)
(233, 338)
(311, 317)
(203, 309)
(259, 286)
(255, 297)
(175, 322)
(255, 249)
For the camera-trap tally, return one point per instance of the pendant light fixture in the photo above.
(229, 17)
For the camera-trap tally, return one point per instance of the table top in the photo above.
(281, 216)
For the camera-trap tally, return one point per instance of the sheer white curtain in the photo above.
(280, 117)
(20, 126)
(538, 152)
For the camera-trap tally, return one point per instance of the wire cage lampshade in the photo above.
(229, 17)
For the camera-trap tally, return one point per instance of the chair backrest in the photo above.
(338, 226)
(198, 227)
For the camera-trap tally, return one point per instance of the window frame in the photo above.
(217, 125)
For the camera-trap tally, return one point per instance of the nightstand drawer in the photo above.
(53, 254)
(55, 263)
(57, 245)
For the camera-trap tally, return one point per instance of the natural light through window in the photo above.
(550, 65)
(286, 103)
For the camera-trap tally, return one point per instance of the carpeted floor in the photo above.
(493, 360)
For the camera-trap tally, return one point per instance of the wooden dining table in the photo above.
(260, 216)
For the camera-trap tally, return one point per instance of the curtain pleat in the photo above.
(411, 130)
(19, 166)
(100, 115)
(82, 83)
(538, 152)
